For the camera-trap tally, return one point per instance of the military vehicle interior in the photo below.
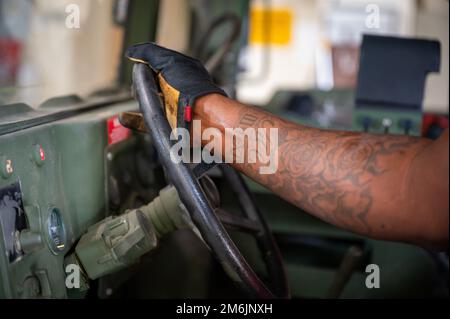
(79, 188)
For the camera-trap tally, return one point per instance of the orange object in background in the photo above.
(345, 66)
(271, 26)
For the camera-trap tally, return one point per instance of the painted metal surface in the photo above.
(70, 179)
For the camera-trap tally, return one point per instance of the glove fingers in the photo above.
(184, 74)
(156, 56)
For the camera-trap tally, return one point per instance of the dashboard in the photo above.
(56, 179)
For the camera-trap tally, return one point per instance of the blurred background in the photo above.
(42, 57)
(296, 57)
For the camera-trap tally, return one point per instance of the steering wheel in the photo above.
(202, 213)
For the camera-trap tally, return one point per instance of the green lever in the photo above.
(118, 242)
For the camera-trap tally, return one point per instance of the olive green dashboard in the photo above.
(53, 180)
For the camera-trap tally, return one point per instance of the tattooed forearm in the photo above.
(364, 183)
(329, 174)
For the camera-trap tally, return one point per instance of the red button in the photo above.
(188, 113)
(41, 153)
(116, 131)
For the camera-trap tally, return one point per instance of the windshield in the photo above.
(54, 48)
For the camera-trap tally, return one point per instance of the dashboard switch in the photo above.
(386, 123)
(38, 155)
(6, 167)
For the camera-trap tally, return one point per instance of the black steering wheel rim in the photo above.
(196, 202)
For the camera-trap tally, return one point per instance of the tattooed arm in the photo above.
(382, 186)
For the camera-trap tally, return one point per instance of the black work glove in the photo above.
(182, 80)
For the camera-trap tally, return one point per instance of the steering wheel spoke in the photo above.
(201, 169)
(238, 222)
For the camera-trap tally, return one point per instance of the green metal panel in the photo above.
(71, 179)
(141, 27)
(377, 116)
